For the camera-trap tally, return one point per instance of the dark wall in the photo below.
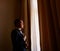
(7, 14)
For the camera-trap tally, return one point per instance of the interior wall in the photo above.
(7, 8)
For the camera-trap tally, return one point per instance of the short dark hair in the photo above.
(16, 22)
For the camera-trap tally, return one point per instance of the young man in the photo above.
(17, 36)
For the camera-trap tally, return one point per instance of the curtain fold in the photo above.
(49, 25)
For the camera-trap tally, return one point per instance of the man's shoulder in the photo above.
(14, 30)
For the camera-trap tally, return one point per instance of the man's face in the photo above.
(21, 24)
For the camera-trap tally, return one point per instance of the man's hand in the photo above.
(25, 38)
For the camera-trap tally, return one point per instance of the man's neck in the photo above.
(19, 29)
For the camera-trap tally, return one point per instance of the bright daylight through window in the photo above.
(35, 35)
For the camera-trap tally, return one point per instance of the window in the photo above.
(35, 37)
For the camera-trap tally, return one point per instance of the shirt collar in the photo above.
(20, 30)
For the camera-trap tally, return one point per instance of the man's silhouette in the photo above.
(17, 36)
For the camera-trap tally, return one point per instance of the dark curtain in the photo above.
(49, 18)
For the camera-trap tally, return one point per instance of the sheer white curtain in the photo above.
(35, 37)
